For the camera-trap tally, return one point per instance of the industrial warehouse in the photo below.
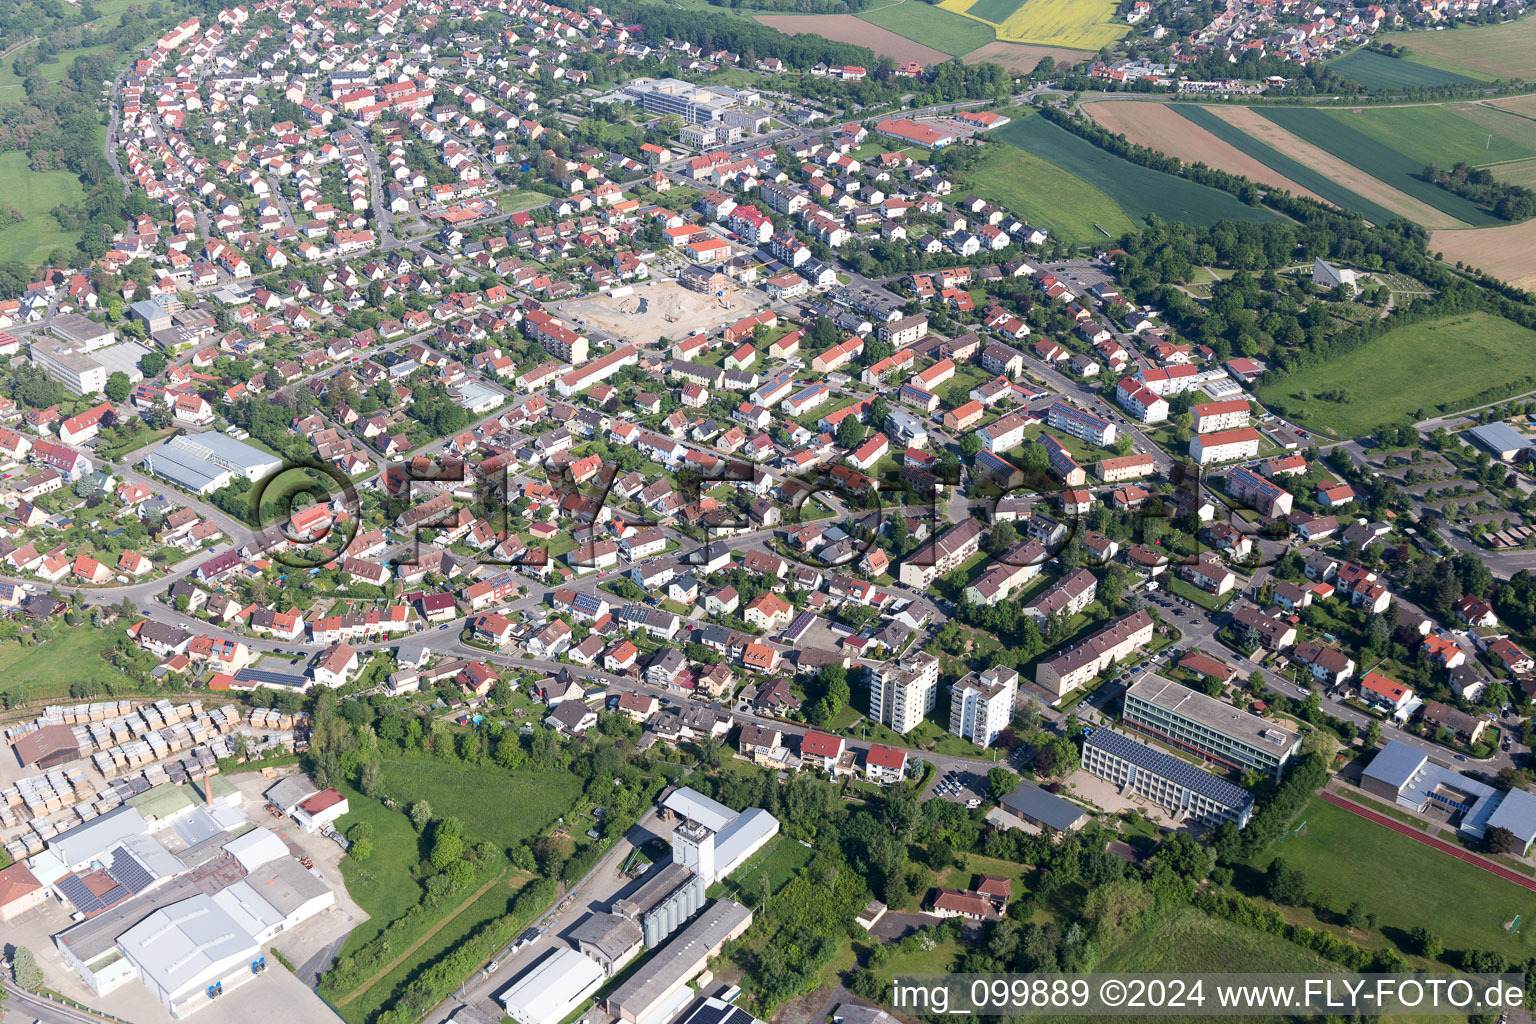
(667, 913)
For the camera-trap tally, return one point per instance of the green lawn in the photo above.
(1190, 592)
(1378, 72)
(482, 797)
(1439, 365)
(383, 885)
(1326, 130)
(1047, 196)
(45, 671)
(1302, 174)
(1137, 190)
(1344, 854)
(519, 200)
(931, 26)
(34, 193)
(1440, 135)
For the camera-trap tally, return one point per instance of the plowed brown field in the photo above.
(845, 28)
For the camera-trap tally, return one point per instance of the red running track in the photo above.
(1524, 881)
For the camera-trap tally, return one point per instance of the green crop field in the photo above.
(1046, 195)
(34, 193)
(1343, 854)
(1440, 135)
(1136, 190)
(1486, 52)
(995, 11)
(482, 797)
(1436, 365)
(1324, 130)
(1516, 172)
(1377, 72)
(1302, 174)
(924, 23)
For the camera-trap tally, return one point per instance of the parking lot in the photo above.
(961, 786)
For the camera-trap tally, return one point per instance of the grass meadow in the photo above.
(1047, 195)
(34, 193)
(500, 807)
(1483, 52)
(1440, 364)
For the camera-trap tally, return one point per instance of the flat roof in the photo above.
(92, 839)
(1217, 715)
(179, 467)
(176, 945)
(1394, 764)
(1499, 437)
(1032, 803)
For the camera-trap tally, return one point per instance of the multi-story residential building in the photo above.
(1179, 787)
(1264, 495)
(902, 692)
(1212, 416)
(941, 554)
(1062, 462)
(1081, 662)
(1066, 597)
(1003, 433)
(1175, 714)
(1141, 401)
(1129, 467)
(981, 704)
(1224, 445)
(1082, 424)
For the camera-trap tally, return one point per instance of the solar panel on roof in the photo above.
(78, 893)
(261, 675)
(1170, 768)
(129, 873)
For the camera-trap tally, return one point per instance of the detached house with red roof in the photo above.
(1383, 693)
(820, 751)
(885, 765)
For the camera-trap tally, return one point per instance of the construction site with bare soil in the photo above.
(657, 309)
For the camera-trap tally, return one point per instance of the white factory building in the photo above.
(714, 840)
(552, 989)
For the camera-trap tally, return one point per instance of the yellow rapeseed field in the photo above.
(1076, 24)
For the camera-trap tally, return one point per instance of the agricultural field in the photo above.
(459, 790)
(1378, 159)
(33, 194)
(1303, 175)
(1341, 853)
(848, 28)
(1379, 72)
(929, 25)
(1508, 252)
(1436, 365)
(1077, 24)
(1485, 52)
(1440, 134)
(1044, 194)
(1168, 130)
(1136, 190)
(1021, 58)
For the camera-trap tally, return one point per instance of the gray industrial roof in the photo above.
(1516, 812)
(1395, 764)
(677, 961)
(92, 839)
(1032, 803)
(610, 933)
(221, 449)
(1498, 438)
(174, 946)
(286, 884)
(695, 806)
(179, 467)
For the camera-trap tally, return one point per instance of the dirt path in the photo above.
(413, 947)
(1157, 127)
(1346, 174)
